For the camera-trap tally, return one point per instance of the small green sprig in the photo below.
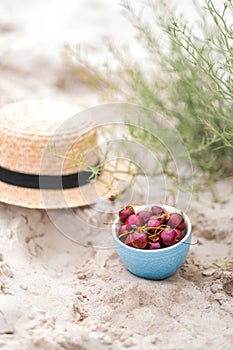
(78, 160)
(191, 81)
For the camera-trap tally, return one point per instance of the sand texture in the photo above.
(58, 295)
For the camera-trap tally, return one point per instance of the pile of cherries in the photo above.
(152, 228)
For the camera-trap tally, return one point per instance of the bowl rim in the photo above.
(152, 251)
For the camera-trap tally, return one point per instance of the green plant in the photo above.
(190, 79)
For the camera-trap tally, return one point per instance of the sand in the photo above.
(55, 294)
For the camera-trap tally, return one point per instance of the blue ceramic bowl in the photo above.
(154, 264)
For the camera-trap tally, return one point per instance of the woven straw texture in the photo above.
(26, 128)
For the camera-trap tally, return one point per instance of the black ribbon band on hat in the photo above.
(46, 182)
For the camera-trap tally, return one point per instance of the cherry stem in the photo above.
(124, 234)
(197, 242)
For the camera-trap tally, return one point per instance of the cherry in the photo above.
(139, 240)
(155, 210)
(150, 228)
(168, 237)
(134, 219)
(125, 212)
(145, 215)
(129, 240)
(176, 220)
(179, 234)
(155, 222)
(123, 229)
(154, 245)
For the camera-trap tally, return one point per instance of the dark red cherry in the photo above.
(125, 212)
(139, 240)
(179, 234)
(154, 245)
(123, 229)
(134, 220)
(168, 237)
(129, 240)
(176, 220)
(154, 222)
(145, 215)
(155, 210)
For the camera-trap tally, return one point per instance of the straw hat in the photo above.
(33, 176)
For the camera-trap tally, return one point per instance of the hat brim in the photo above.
(105, 186)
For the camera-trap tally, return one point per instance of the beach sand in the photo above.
(56, 294)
